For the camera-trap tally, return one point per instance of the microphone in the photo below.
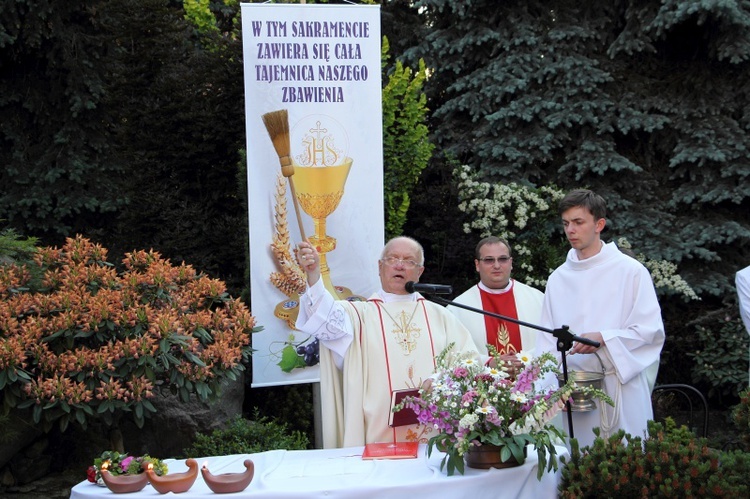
(436, 289)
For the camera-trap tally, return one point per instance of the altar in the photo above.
(342, 473)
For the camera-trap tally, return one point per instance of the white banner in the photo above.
(312, 83)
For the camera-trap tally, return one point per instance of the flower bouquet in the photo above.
(123, 464)
(470, 404)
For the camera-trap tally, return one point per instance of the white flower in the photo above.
(497, 373)
(468, 421)
(518, 397)
(525, 357)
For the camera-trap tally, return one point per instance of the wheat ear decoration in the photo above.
(277, 126)
(292, 279)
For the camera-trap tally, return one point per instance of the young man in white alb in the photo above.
(609, 297)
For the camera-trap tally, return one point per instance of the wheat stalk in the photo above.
(291, 279)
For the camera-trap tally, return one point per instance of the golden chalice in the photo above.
(319, 192)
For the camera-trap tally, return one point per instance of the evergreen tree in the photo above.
(123, 121)
(59, 174)
(646, 102)
(179, 94)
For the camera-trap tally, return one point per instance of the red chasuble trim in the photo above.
(385, 345)
(429, 331)
(385, 352)
(503, 335)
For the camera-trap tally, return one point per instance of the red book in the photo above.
(405, 416)
(392, 450)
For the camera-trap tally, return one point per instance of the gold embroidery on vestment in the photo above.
(503, 344)
(405, 331)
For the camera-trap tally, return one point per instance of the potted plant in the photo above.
(473, 406)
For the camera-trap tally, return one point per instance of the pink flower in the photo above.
(468, 396)
(125, 463)
(460, 372)
(525, 380)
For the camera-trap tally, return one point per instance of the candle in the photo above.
(122, 484)
(174, 482)
(229, 482)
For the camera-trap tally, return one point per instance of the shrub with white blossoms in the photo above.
(471, 404)
(527, 217)
(663, 273)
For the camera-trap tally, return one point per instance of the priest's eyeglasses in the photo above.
(392, 261)
(488, 260)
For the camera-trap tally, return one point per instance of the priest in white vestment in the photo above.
(498, 293)
(609, 297)
(370, 349)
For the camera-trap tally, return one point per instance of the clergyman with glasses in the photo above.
(498, 293)
(369, 349)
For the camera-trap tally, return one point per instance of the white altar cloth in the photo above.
(342, 473)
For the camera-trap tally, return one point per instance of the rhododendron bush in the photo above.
(79, 340)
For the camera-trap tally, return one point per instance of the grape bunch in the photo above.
(310, 352)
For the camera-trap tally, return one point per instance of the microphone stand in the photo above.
(564, 337)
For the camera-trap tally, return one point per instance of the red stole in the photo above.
(503, 335)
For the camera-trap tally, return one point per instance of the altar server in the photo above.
(609, 297)
(742, 281)
(498, 293)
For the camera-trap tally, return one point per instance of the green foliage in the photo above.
(406, 148)
(198, 12)
(85, 342)
(449, 251)
(13, 248)
(134, 466)
(737, 463)
(243, 436)
(525, 216)
(669, 462)
(741, 418)
(528, 218)
(181, 128)
(60, 171)
(644, 102)
(720, 357)
(275, 399)
(127, 134)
